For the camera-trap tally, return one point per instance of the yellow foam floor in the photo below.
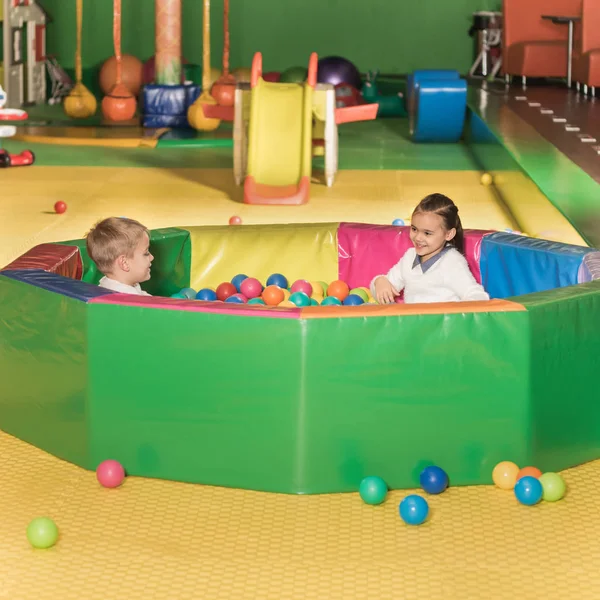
(159, 540)
(175, 197)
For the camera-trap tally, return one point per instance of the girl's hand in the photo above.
(385, 293)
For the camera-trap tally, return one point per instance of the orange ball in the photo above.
(131, 73)
(223, 91)
(272, 295)
(529, 472)
(339, 289)
(119, 105)
(505, 475)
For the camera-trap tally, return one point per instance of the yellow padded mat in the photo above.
(163, 540)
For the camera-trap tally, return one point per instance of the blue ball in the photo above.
(434, 480)
(331, 301)
(188, 293)
(398, 222)
(237, 281)
(279, 280)
(413, 510)
(373, 490)
(234, 300)
(528, 490)
(207, 295)
(353, 300)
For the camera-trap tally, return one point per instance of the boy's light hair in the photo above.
(111, 238)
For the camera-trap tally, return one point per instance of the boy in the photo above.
(120, 249)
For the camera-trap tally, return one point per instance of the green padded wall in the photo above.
(43, 369)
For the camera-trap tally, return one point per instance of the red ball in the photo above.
(60, 207)
(235, 220)
(301, 285)
(251, 287)
(110, 473)
(225, 290)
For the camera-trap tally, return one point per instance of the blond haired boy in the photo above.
(120, 249)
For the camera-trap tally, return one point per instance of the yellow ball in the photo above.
(80, 103)
(505, 475)
(287, 304)
(317, 289)
(196, 116)
(286, 294)
(486, 179)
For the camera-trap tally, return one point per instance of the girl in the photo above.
(435, 270)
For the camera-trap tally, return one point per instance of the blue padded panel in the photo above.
(171, 101)
(72, 288)
(513, 265)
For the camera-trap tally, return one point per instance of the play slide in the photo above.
(279, 138)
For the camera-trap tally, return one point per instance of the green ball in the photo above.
(294, 75)
(42, 532)
(256, 301)
(313, 302)
(553, 487)
(324, 286)
(373, 490)
(331, 301)
(361, 293)
(300, 299)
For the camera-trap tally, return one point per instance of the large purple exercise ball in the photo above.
(335, 70)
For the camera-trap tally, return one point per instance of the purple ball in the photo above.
(335, 70)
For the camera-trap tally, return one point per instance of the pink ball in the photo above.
(242, 297)
(235, 220)
(251, 287)
(301, 285)
(110, 473)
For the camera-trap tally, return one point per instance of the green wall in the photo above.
(395, 36)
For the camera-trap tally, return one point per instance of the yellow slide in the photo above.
(279, 139)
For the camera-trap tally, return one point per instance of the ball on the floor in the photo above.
(60, 207)
(528, 490)
(413, 510)
(553, 487)
(206, 294)
(110, 473)
(42, 533)
(531, 471)
(433, 479)
(486, 179)
(235, 220)
(504, 475)
(373, 490)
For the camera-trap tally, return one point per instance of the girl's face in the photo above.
(429, 234)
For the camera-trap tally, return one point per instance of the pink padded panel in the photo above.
(54, 258)
(368, 250)
(198, 306)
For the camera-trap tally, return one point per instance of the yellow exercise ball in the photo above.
(80, 103)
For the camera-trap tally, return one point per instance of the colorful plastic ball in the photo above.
(360, 292)
(353, 300)
(179, 296)
(433, 479)
(110, 473)
(331, 301)
(224, 290)
(529, 471)
(413, 510)
(300, 299)
(189, 293)
(324, 285)
(486, 179)
(293, 75)
(528, 490)
(314, 302)
(235, 220)
(398, 222)
(339, 289)
(60, 207)
(42, 533)
(553, 486)
(251, 287)
(301, 285)
(287, 304)
(278, 279)
(237, 281)
(505, 474)
(373, 490)
(237, 299)
(206, 294)
(256, 301)
(273, 295)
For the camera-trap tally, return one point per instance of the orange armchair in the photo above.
(532, 46)
(586, 57)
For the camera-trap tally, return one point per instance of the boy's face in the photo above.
(137, 267)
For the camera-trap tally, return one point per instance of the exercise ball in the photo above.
(294, 75)
(131, 74)
(80, 103)
(196, 117)
(223, 90)
(119, 105)
(336, 70)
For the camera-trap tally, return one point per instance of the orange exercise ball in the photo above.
(131, 74)
(223, 90)
(119, 105)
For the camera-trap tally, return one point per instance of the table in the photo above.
(562, 20)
